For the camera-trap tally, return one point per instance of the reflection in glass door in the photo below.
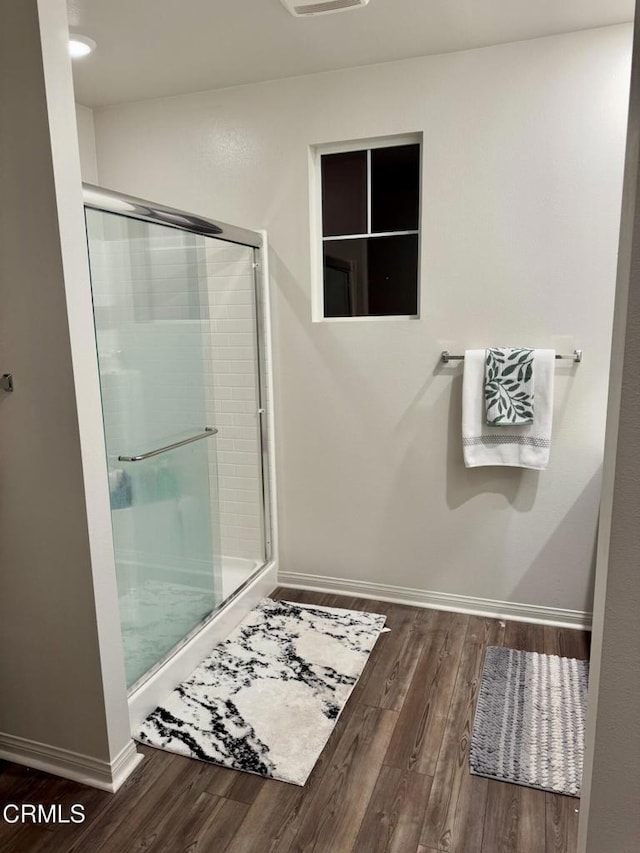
(153, 338)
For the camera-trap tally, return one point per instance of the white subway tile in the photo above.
(249, 521)
(247, 470)
(230, 326)
(236, 380)
(234, 457)
(226, 470)
(241, 339)
(244, 483)
(244, 393)
(247, 511)
(245, 445)
(218, 339)
(247, 406)
(247, 498)
(241, 312)
(226, 421)
(250, 420)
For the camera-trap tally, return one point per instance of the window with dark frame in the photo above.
(370, 227)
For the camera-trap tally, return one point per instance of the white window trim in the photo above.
(315, 219)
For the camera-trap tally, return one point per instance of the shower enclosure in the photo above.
(178, 331)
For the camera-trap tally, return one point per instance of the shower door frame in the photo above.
(109, 201)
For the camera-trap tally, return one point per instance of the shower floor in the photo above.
(156, 615)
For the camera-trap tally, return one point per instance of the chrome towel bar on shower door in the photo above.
(208, 431)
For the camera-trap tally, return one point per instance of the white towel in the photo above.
(517, 446)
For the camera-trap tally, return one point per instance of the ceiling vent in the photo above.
(304, 8)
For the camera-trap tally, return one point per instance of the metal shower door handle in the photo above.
(208, 431)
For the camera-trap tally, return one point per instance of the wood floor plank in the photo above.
(524, 635)
(25, 837)
(221, 780)
(138, 821)
(15, 837)
(14, 777)
(246, 787)
(531, 834)
(47, 789)
(182, 829)
(300, 596)
(145, 777)
(270, 823)
(196, 821)
(418, 736)
(334, 815)
(216, 829)
(29, 787)
(62, 794)
(155, 817)
(393, 819)
(514, 820)
(343, 602)
(387, 686)
(455, 813)
(500, 833)
(377, 654)
(468, 825)
(567, 642)
(561, 818)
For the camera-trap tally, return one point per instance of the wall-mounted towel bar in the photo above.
(445, 356)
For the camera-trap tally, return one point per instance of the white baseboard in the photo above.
(554, 616)
(106, 775)
(145, 698)
(124, 764)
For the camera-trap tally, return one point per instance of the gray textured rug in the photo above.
(529, 723)
(267, 698)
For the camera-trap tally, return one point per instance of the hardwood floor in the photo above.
(393, 777)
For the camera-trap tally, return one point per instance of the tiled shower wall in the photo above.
(232, 396)
(193, 296)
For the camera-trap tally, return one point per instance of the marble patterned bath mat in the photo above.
(529, 723)
(267, 698)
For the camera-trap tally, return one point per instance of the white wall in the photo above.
(609, 814)
(63, 702)
(522, 172)
(87, 143)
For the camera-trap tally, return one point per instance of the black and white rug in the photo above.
(529, 723)
(267, 698)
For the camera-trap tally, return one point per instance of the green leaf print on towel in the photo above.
(508, 386)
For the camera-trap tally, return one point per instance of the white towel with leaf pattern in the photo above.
(508, 386)
(520, 446)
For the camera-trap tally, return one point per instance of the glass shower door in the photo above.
(153, 342)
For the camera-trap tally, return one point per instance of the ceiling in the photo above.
(153, 48)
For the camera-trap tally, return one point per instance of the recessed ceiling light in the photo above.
(80, 46)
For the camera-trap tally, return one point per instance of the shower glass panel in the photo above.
(156, 343)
